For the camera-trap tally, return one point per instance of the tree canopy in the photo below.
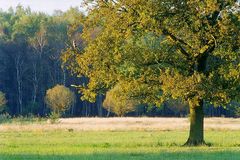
(30, 47)
(183, 49)
(118, 103)
(59, 98)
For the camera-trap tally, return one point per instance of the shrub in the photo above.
(54, 117)
(237, 112)
(3, 101)
(119, 103)
(4, 118)
(59, 98)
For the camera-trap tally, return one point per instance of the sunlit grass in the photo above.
(64, 144)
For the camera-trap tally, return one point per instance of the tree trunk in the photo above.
(64, 76)
(19, 63)
(35, 83)
(99, 105)
(196, 135)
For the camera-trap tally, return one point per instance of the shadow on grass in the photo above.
(223, 155)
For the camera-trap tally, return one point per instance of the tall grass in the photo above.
(30, 119)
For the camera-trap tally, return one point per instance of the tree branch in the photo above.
(167, 33)
(176, 39)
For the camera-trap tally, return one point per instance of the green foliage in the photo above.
(4, 118)
(186, 50)
(234, 109)
(3, 101)
(54, 117)
(119, 103)
(30, 47)
(237, 112)
(59, 98)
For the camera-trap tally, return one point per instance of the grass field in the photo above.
(55, 142)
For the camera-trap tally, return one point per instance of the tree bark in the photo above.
(196, 134)
(35, 83)
(99, 105)
(19, 72)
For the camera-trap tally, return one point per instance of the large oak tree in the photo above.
(162, 49)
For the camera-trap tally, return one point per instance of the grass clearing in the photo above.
(67, 144)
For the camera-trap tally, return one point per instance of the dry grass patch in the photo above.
(124, 124)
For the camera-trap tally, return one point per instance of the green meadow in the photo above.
(116, 145)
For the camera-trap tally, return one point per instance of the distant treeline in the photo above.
(31, 44)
